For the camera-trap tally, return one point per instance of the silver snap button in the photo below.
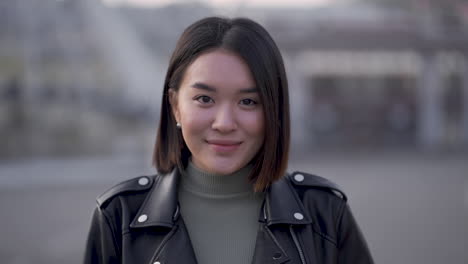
(142, 218)
(298, 216)
(299, 177)
(157, 262)
(277, 255)
(143, 181)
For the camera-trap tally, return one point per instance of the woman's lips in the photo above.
(224, 145)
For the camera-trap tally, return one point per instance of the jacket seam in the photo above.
(326, 237)
(114, 238)
(339, 219)
(301, 241)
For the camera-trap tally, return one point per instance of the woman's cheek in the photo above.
(255, 121)
(196, 118)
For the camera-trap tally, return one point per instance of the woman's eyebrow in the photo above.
(249, 90)
(203, 86)
(206, 87)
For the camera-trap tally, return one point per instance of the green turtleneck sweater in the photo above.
(221, 214)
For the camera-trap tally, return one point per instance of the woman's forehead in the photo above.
(218, 69)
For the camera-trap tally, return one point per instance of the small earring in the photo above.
(178, 125)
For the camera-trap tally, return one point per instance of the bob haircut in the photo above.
(251, 42)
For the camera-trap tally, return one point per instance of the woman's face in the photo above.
(219, 109)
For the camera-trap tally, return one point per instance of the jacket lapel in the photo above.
(161, 209)
(267, 248)
(176, 247)
(282, 208)
(160, 206)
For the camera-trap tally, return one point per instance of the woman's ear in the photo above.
(173, 102)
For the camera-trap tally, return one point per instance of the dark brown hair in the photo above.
(251, 42)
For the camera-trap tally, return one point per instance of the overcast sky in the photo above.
(220, 3)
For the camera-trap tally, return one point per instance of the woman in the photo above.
(221, 194)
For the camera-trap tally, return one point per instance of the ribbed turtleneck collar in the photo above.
(212, 185)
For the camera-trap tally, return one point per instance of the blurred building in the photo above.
(74, 79)
(364, 76)
(78, 77)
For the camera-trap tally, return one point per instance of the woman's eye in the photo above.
(204, 99)
(248, 102)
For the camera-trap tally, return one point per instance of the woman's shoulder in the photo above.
(132, 186)
(303, 181)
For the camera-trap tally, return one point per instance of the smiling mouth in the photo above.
(224, 142)
(224, 145)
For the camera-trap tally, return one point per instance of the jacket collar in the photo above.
(160, 208)
(283, 206)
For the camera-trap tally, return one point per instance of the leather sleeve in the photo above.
(352, 246)
(101, 246)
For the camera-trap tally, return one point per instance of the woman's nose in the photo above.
(225, 120)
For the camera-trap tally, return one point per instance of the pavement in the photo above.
(411, 207)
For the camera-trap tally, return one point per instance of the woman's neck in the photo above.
(201, 182)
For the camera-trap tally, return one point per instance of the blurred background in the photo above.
(379, 102)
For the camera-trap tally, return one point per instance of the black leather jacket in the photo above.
(305, 219)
